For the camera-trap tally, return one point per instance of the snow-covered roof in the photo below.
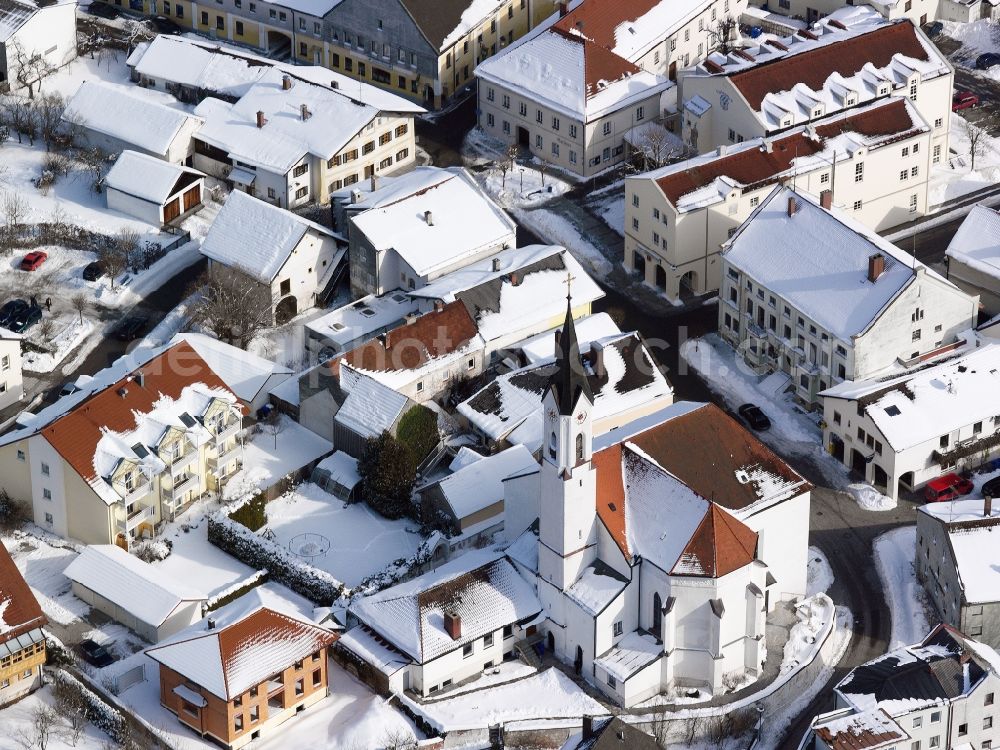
(256, 237)
(136, 587)
(114, 111)
(479, 485)
(713, 177)
(630, 379)
(227, 655)
(589, 328)
(596, 587)
(571, 75)
(243, 372)
(867, 730)
(524, 550)
(371, 407)
(297, 121)
(365, 643)
(480, 587)
(516, 289)
(829, 248)
(439, 225)
(15, 13)
(362, 318)
(147, 177)
(975, 551)
(837, 64)
(386, 189)
(20, 613)
(920, 407)
(342, 468)
(977, 241)
(924, 674)
(628, 656)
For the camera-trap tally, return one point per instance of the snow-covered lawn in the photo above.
(547, 695)
(819, 576)
(69, 332)
(267, 458)
(894, 554)
(524, 185)
(793, 431)
(42, 558)
(16, 720)
(957, 178)
(361, 541)
(505, 672)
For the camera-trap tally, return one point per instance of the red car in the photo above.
(947, 487)
(33, 260)
(963, 100)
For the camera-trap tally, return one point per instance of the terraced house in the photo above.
(111, 462)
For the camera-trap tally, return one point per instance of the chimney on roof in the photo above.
(260, 119)
(597, 360)
(793, 205)
(140, 378)
(515, 279)
(563, 8)
(355, 196)
(453, 625)
(588, 727)
(286, 83)
(334, 85)
(768, 147)
(836, 24)
(211, 623)
(826, 199)
(304, 110)
(438, 305)
(496, 264)
(429, 218)
(723, 149)
(876, 265)
(579, 26)
(987, 506)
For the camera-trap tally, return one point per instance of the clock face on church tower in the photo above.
(581, 416)
(552, 413)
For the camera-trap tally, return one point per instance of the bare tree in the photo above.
(134, 32)
(40, 731)
(46, 328)
(114, 260)
(95, 161)
(79, 303)
(722, 35)
(543, 167)
(979, 139)
(128, 243)
(48, 114)
(18, 115)
(233, 305)
(397, 739)
(30, 68)
(511, 155)
(657, 146)
(15, 211)
(273, 425)
(502, 166)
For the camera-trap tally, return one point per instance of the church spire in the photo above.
(569, 380)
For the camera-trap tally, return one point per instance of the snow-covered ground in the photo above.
(976, 37)
(268, 458)
(19, 734)
(819, 576)
(793, 431)
(609, 204)
(522, 186)
(505, 672)
(894, 555)
(558, 230)
(956, 178)
(870, 498)
(546, 695)
(69, 331)
(361, 541)
(42, 558)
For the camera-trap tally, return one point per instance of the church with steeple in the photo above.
(660, 546)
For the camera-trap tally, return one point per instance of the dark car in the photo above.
(992, 488)
(130, 328)
(11, 310)
(934, 29)
(104, 10)
(987, 60)
(25, 319)
(95, 653)
(164, 25)
(754, 417)
(93, 271)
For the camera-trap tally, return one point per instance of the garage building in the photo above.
(152, 190)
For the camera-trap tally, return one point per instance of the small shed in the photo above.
(338, 475)
(133, 592)
(153, 190)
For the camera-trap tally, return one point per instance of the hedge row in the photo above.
(263, 554)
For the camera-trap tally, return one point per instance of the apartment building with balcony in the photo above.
(22, 641)
(237, 675)
(809, 291)
(874, 159)
(142, 440)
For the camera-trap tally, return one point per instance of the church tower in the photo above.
(567, 507)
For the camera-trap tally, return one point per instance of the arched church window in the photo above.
(552, 445)
(579, 447)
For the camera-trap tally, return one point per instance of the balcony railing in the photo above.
(138, 491)
(135, 518)
(228, 431)
(218, 463)
(184, 483)
(182, 462)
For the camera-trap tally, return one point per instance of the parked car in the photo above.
(104, 10)
(33, 260)
(947, 487)
(93, 271)
(11, 310)
(963, 100)
(95, 653)
(754, 417)
(25, 319)
(987, 60)
(992, 488)
(130, 328)
(164, 25)
(934, 29)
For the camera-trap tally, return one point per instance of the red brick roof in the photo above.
(409, 346)
(19, 609)
(815, 66)
(599, 63)
(598, 19)
(754, 166)
(720, 545)
(75, 434)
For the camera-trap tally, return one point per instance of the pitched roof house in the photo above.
(47, 29)
(22, 642)
(973, 257)
(153, 190)
(240, 673)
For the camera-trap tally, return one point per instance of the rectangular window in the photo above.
(46, 493)
(488, 640)
(466, 650)
(300, 687)
(238, 723)
(239, 28)
(317, 678)
(572, 131)
(617, 629)
(859, 171)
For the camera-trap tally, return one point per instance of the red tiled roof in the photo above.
(599, 63)
(75, 435)
(754, 166)
(611, 494)
(814, 67)
(409, 346)
(856, 734)
(20, 610)
(720, 545)
(598, 19)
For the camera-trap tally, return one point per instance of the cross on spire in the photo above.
(570, 278)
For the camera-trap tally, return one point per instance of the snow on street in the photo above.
(819, 576)
(894, 553)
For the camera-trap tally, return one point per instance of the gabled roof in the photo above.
(230, 659)
(13, 15)
(443, 22)
(243, 372)
(136, 587)
(719, 545)
(480, 587)
(479, 485)
(115, 111)
(149, 178)
(977, 241)
(256, 237)
(628, 27)
(19, 610)
(869, 730)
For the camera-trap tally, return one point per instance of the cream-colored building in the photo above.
(140, 442)
(917, 11)
(781, 84)
(678, 217)
(11, 382)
